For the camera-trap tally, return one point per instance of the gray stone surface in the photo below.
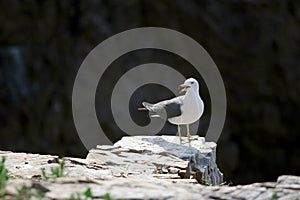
(154, 155)
(138, 168)
(201, 155)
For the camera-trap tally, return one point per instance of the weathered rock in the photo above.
(143, 187)
(161, 155)
(292, 182)
(138, 168)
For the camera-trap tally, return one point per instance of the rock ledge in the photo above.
(139, 167)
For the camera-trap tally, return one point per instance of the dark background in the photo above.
(255, 44)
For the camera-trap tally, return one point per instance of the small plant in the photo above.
(108, 197)
(206, 182)
(274, 196)
(87, 195)
(44, 175)
(3, 176)
(56, 172)
(28, 193)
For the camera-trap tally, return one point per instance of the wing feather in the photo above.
(165, 109)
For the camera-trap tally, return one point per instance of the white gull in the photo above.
(181, 110)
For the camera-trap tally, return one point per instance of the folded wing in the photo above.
(165, 109)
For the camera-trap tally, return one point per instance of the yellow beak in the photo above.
(183, 88)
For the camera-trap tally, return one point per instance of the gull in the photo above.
(182, 110)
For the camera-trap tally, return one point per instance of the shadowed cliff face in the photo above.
(255, 44)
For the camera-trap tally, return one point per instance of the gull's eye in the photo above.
(192, 82)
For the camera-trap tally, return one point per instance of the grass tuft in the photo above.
(274, 196)
(56, 172)
(3, 176)
(87, 195)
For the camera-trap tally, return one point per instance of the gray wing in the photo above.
(165, 109)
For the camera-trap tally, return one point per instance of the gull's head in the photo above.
(189, 84)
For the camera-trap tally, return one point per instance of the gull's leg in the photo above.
(188, 132)
(179, 133)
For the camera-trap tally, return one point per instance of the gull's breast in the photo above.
(192, 109)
